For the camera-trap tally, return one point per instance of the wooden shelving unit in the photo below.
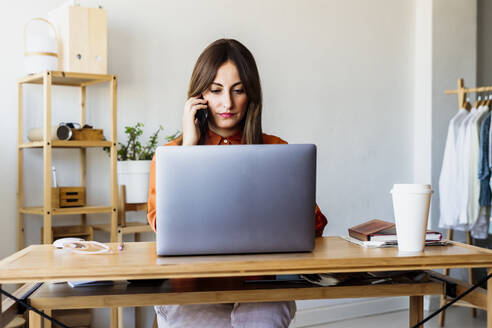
(81, 80)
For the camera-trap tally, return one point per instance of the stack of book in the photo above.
(379, 233)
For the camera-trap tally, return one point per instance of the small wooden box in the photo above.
(55, 197)
(87, 134)
(67, 197)
(82, 39)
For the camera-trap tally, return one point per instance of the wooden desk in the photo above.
(332, 254)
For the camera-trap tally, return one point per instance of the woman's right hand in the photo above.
(191, 128)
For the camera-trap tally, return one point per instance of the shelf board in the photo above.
(68, 144)
(68, 78)
(68, 210)
(34, 144)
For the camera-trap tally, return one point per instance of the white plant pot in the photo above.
(135, 176)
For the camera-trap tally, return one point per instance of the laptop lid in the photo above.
(235, 199)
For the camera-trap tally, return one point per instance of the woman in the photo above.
(224, 108)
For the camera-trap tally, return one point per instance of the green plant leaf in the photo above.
(133, 149)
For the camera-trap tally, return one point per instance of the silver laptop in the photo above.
(235, 199)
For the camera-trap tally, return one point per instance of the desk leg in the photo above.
(137, 316)
(489, 300)
(416, 309)
(47, 323)
(113, 317)
(120, 318)
(34, 320)
(469, 241)
(442, 315)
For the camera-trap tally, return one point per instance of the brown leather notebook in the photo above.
(365, 230)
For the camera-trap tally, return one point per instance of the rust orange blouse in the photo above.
(215, 139)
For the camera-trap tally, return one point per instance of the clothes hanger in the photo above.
(467, 105)
(484, 100)
(477, 102)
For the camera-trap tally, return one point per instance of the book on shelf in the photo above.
(382, 231)
(372, 278)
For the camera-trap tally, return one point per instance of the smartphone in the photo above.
(202, 116)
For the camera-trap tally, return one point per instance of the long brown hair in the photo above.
(204, 73)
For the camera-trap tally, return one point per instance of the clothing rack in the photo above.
(462, 93)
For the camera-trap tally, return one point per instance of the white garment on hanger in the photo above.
(448, 191)
(473, 208)
(465, 161)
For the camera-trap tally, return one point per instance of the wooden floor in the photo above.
(456, 317)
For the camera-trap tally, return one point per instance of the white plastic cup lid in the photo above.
(412, 188)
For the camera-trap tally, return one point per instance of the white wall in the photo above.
(336, 73)
(454, 55)
(446, 48)
(422, 116)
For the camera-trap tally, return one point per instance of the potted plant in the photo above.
(134, 160)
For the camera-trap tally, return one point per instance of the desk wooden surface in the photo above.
(139, 261)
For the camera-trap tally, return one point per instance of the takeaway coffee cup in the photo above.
(411, 203)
